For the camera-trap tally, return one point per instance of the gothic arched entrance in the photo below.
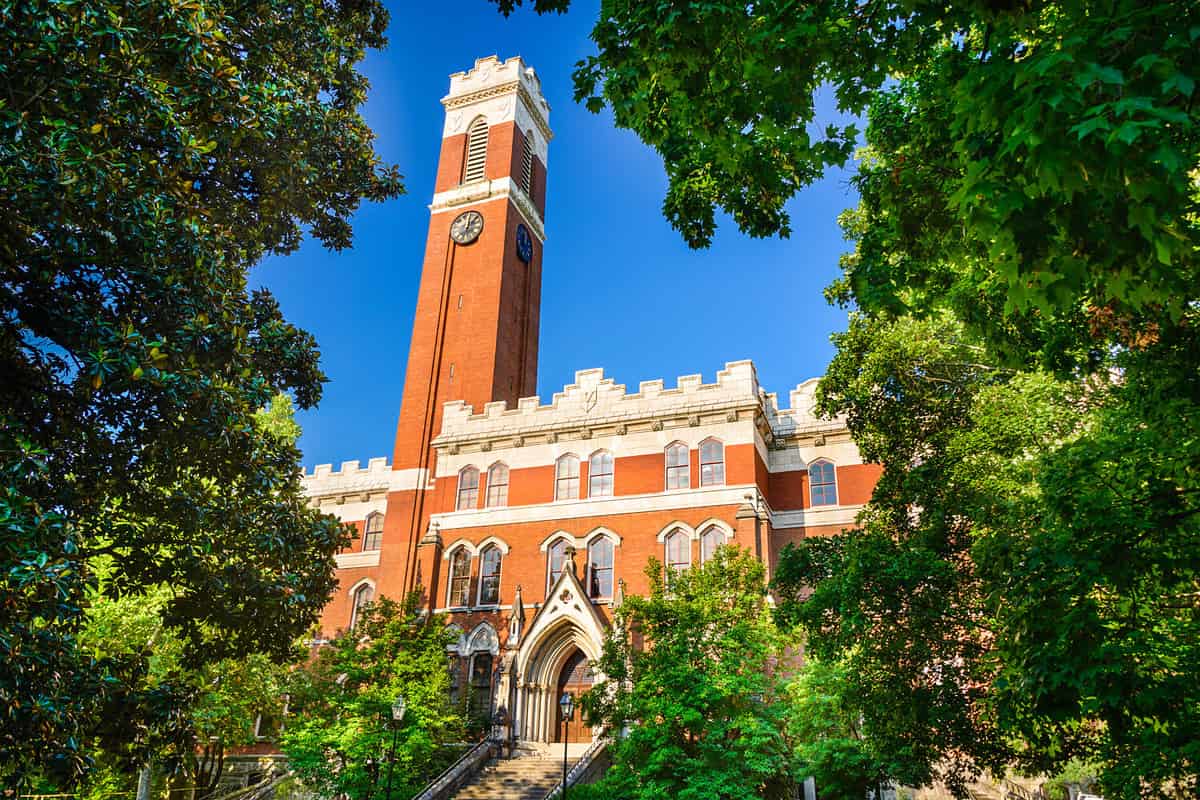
(574, 678)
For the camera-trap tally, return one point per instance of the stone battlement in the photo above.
(324, 479)
(490, 75)
(596, 400)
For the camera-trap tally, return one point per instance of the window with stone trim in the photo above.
(460, 579)
(362, 596)
(372, 532)
(566, 478)
(679, 551)
(497, 485)
(475, 159)
(822, 483)
(600, 567)
(490, 562)
(600, 474)
(712, 463)
(481, 686)
(712, 538)
(468, 489)
(555, 556)
(678, 466)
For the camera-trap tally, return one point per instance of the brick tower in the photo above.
(475, 333)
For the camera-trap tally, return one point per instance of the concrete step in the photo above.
(522, 778)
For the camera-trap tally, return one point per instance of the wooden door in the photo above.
(575, 678)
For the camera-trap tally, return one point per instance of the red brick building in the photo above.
(492, 494)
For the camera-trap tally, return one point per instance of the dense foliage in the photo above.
(150, 153)
(1024, 360)
(1023, 587)
(339, 731)
(689, 680)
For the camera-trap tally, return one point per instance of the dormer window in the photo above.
(476, 156)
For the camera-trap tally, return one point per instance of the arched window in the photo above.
(822, 483)
(679, 551)
(566, 478)
(600, 567)
(554, 561)
(476, 158)
(460, 578)
(600, 474)
(362, 596)
(481, 686)
(468, 489)
(678, 469)
(497, 485)
(373, 532)
(712, 463)
(527, 162)
(712, 538)
(489, 575)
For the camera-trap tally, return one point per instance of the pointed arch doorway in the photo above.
(575, 678)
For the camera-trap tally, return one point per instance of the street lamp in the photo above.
(398, 709)
(567, 704)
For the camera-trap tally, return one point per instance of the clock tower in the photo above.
(475, 332)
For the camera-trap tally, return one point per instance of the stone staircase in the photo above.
(528, 775)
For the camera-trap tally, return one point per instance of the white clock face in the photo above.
(466, 227)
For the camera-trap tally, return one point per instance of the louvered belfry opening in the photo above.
(477, 136)
(527, 162)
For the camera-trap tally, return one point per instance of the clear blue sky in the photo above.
(620, 289)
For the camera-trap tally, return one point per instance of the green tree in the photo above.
(150, 153)
(338, 733)
(825, 733)
(1024, 362)
(689, 682)
(1022, 588)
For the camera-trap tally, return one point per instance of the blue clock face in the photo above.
(524, 243)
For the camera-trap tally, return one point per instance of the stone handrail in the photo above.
(467, 763)
(581, 766)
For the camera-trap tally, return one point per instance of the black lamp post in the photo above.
(567, 704)
(398, 708)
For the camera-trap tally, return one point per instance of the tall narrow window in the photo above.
(481, 685)
(373, 532)
(362, 595)
(527, 162)
(712, 538)
(497, 485)
(712, 463)
(554, 561)
(822, 482)
(468, 489)
(600, 474)
(679, 551)
(489, 576)
(678, 469)
(460, 578)
(600, 567)
(566, 478)
(476, 160)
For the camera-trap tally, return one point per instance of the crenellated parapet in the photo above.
(597, 405)
(351, 478)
